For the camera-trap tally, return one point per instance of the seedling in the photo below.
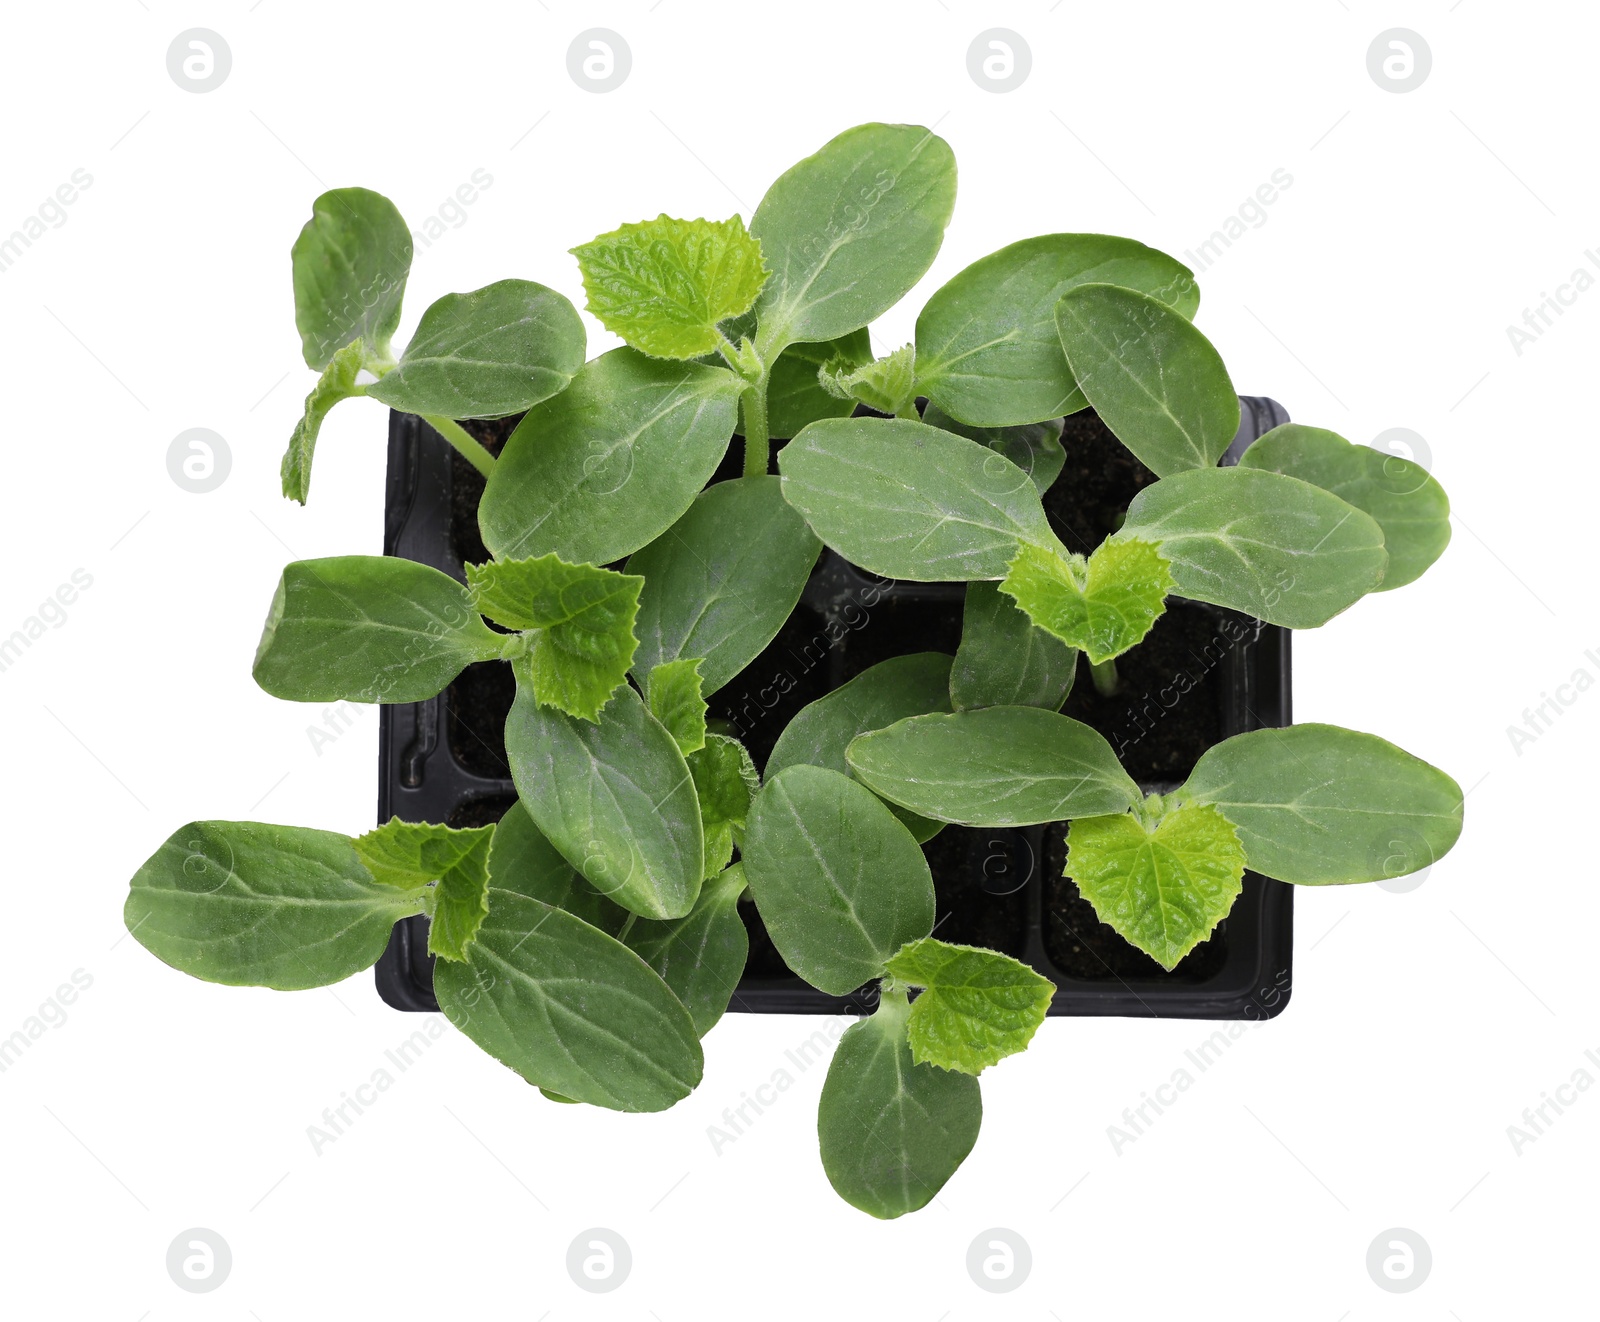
(592, 938)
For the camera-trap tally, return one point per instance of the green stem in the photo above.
(1106, 682)
(627, 927)
(457, 435)
(756, 439)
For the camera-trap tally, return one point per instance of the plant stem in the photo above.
(457, 435)
(756, 441)
(1106, 682)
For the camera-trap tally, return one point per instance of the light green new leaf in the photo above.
(998, 766)
(581, 640)
(795, 396)
(1319, 805)
(1004, 661)
(848, 231)
(1035, 447)
(664, 284)
(722, 580)
(1409, 505)
(350, 266)
(673, 692)
(700, 957)
(453, 865)
(977, 1006)
(988, 351)
(1155, 380)
(522, 860)
(1103, 605)
(369, 628)
(1163, 888)
(841, 885)
(887, 384)
(610, 462)
(253, 905)
(338, 381)
(570, 1009)
(1271, 546)
(615, 798)
(725, 781)
(496, 351)
(905, 500)
(880, 695)
(892, 1132)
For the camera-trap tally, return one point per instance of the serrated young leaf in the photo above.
(672, 691)
(795, 397)
(1033, 447)
(579, 620)
(891, 1131)
(1410, 507)
(701, 957)
(1102, 606)
(1162, 887)
(725, 780)
(453, 864)
(493, 352)
(350, 265)
(664, 284)
(977, 1006)
(338, 381)
(887, 384)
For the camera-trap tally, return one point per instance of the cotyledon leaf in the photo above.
(338, 381)
(350, 264)
(892, 1131)
(879, 696)
(906, 500)
(1004, 659)
(1163, 886)
(1034, 447)
(997, 766)
(1410, 507)
(988, 351)
(522, 860)
(614, 797)
(701, 957)
(256, 905)
(1271, 546)
(840, 884)
(1319, 805)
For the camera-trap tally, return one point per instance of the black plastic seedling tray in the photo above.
(1224, 674)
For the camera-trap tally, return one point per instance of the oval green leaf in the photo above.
(369, 628)
(1319, 805)
(614, 797)
(611, 462)
(722, 580)
(841, 885)
(570, 1009)
(1004, 660)
(999, 766)
(1407, 503)
(892, 1132)
(253, 905)
(496, 351)
(1034, 448)
(350, 266)
(848, 231)
(988, 351)
(906, 500)
(522, 860)
(880, 695)
(700, 957)
(1271, 546)
(1154, 379)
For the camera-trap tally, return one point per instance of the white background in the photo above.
(1376, 294)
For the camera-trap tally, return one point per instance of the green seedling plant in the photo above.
(592, 938)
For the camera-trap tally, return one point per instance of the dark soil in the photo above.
(1100, 479)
